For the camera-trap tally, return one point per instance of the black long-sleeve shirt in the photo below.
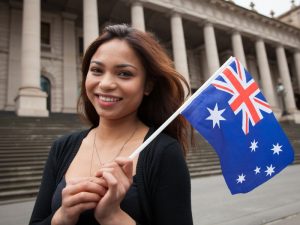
(161, 184)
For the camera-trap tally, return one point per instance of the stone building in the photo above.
(292, 16)
(42, 43)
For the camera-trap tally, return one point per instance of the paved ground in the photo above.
(277, 202)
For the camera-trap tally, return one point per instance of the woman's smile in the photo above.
(107, 100)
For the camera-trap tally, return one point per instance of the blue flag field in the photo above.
(232, 114)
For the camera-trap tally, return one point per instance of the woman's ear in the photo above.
(148, 87)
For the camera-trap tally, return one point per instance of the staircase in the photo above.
(24, 146)
(25, 143)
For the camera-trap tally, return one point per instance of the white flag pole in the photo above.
(178, 111)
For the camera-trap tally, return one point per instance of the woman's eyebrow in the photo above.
(125, 65)
(97, 62)
(122, 65)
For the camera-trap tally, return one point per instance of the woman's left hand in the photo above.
(118, 176)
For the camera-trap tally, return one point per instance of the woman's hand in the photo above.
(79, 195)
(118, 176)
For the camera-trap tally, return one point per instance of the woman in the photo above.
(129, 88)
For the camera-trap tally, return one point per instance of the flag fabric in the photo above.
(234, 117)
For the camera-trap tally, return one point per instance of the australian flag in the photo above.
(234, 117)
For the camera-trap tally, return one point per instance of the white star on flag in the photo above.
(215, 115)
(241, 178)
(270, 170)
(257, 170)
(253, 145)
(276, 149)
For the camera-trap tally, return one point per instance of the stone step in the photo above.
(16, 164)
(19, 186)
(23, 159)
(18, 194)
(24, 151)
(5, 180)
(29, 155)
(16, 148)
(17, 169)
(14, 174)
(191, 166)
(204, 168)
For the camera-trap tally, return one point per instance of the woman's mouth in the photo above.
(109, 99)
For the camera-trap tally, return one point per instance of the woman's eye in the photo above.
(125, 74)
(95, 70)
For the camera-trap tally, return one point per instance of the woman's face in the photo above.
(115, 83)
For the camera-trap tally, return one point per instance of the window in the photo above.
(45, 36)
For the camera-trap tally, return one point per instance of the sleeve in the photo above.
(42, 213)
(171, 202)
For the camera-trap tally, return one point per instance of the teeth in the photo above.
(108, 99)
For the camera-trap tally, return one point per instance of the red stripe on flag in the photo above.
(265, 104)
(243, 96)
(223, 88)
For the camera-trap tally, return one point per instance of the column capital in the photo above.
(69, 16)
(208, 23)
(136, 2)
(235, 30)
(175, 11)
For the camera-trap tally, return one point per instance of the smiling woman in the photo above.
(129, 88)
(115, 83)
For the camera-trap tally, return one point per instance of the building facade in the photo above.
(42, 44)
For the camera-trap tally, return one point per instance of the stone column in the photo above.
(211, 49)
(137, 16)
(14, 56)
(31, 101)
(204, 65)
(238, 49)
(297, 65)
(90, 22)
(284, 73)
(178, 42)
(252, 68)
(265, 74)
(70, 85)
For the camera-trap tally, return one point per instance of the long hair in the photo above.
(167, 93)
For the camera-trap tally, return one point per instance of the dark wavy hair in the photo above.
(167, 93)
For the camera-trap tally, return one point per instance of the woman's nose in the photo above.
(107, 82)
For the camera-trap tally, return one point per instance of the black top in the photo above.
(160, 193)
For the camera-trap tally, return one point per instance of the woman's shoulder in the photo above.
(69, 141)
(163, 144)
(71, 137)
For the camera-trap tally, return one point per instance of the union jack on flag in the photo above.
(222, 110)
(244, 94)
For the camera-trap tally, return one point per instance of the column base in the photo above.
(277, 113)
(31, 102)
(10, 108)
(297, 117)
(69, 110)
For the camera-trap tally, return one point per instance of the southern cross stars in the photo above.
(270, 170)
(241, 178)
(257, 170)
(276, 149)
(215, 115)
(253, 145)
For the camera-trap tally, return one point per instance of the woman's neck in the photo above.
(115, 129)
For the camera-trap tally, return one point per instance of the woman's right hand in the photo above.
(79, 195)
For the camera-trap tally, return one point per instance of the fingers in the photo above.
(92, 185)
(126, 164)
